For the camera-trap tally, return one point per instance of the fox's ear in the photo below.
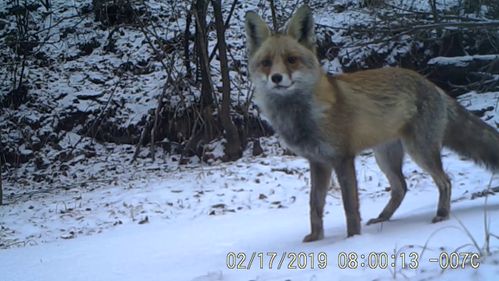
(256, 31)
(301, 27)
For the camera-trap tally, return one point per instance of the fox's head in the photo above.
(283, 62)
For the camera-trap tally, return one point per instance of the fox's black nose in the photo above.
(276, 78)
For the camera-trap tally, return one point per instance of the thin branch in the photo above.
(274, 16)
(422, 13)
(97, 121)
(96, 124)
(158, 110)
(482, 24)
(404, 30)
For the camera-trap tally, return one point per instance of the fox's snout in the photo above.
(279, 80)
(276, 78)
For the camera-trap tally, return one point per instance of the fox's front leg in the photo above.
(345, 171)
(320, 174)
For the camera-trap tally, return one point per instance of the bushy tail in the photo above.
(469, 136)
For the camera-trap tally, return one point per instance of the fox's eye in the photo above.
(266, 63)
(292, 59)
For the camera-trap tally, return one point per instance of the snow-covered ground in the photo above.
(198, 216)
(98, 217)
(197, 222)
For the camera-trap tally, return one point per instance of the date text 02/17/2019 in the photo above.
(274, 260)
(350, 260)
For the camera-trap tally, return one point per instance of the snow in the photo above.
(197, 215)
(488, 102)
(196, 249)
(461, 61)
(102, 218)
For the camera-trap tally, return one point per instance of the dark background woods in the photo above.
(146, 79)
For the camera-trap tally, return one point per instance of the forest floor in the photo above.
(165, 221)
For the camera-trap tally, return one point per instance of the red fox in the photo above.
(330, 119)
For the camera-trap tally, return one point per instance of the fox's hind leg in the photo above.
(427, 155)
(389, 157)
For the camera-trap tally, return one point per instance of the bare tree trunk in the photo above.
(202, 48)
(207, 101)
(434, 11)
(187, 35)
(472, 6)
(1, 187)
(157, 113)
(233, 147)
(141, 141)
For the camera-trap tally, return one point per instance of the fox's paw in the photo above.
(439, 219)
(313, 237)
(376, 220)
(442, 214)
